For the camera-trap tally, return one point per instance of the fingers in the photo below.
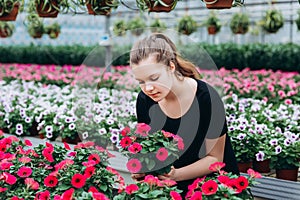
(137, 177)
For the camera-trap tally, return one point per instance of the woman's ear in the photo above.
(172, 66)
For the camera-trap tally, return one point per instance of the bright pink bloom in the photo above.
(45, 195)
(5, 165)
(50, 181)
(16, 198)
(10, 179)
(151, 180)
(162, 154)
(169, 182)
(2, 189)
(67, 146)
(125, 131)
(93, 189)
(242, 182)
(95, 157)
(68, 194)
(89, 171)
(142, 129)
(253, 174)
(99, 196)
(24, 171)
(196, 196)
(131, 188)
(78, 180)
(223, 179)
(47, 153)
(288, 101)
(135, 148)
(216, 166)
(25, 159)
(175, 195)
(72, 154)
(134, 165)
(125, 142)
(28, 143)
(167, 134)
(209, 187)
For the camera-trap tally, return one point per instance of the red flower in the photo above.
(209, 187)
(92, 189)
(50, 181)
(134, 165)
(223, 179)
(162, 154)
(99, 196)
(78, 180)
(142, 129)
(95, 157)
(232, 183)
(242, 183)
(5, 165)
(16, 198)
(131, 188)
(67, 146)
(125, 142)
(135, 148)
(43, 195)
(89, 171)
(196, 196)
(2, 146)
(2, 189)
(68, 194)
(216, 166)
(125, 131)
(28, 143)
(47, 153)
(24, 171)
(10, 179)
(175, 195)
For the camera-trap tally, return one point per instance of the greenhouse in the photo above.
(149, 99)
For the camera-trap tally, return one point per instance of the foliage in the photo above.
(158, 25)
(240, 23)
(6, 29)
(120, 27)
(187, 25)
(136, 26)
(272, 21)
(35, 25)
(150, 153)
(214, 21)
(6, 6)
(101, 7)
(53, 30)
(148, 5)
(223, 185)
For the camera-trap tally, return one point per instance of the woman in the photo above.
(174, 99)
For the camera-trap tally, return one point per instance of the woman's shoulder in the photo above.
(205, 91)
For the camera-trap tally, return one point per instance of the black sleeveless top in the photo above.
(204, 119)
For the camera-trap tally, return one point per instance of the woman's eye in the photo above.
(154, 78)
(141, 82)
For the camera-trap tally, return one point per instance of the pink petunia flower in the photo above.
(24, 172)
(134, 165)
(142, 129)
(162, 154)
(175, 195)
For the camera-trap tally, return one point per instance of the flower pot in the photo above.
(287, 174)
(41, 136)
(243, 167)
(33, 129)
(98, 12)
(4, 33)
(212, 30)
(48, 11)
(76, 140)
(218, 4)
(12, 15)
(161, 8)
(262, 166)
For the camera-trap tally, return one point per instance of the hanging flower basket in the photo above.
(12, 15)
(212, 30)
(51, 8)
(103, 7)
(162, 8)
(218, 4)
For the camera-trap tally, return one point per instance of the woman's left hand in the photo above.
(170, 176)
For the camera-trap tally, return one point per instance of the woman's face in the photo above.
(155, 79)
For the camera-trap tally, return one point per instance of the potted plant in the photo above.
(136, 26)
(157, 25)
(120, 27)
(53, 30)
(272, 21)
(285, 158)
(156, 5)
(9, 9)
(35, 25)
(298, 21)
(99, 7)
(213, 23)
(6, 29)
(239, 23)
(187, 25)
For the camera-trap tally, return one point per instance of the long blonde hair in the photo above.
(165, 51)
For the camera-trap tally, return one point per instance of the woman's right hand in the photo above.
(138, 177)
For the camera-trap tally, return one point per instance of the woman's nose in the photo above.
(148, 87)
